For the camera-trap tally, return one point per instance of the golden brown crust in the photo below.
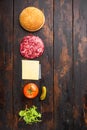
(31, 19)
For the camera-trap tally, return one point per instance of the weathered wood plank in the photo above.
(6, 63)
(63, 94)
(46, 60)
(47, 65)
(80, 63)
(19, 100)
(67, 94)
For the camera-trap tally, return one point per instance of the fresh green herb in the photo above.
(30, 115)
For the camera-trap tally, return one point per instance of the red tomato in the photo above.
(30, 90)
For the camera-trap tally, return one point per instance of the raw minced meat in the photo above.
(31, 47)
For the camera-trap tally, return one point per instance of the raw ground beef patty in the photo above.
(31, 47)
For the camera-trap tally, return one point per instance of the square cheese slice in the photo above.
(39, 71)
(30, 69)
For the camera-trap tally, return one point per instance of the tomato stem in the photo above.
(30, 90)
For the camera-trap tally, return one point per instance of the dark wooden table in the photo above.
(64, 65)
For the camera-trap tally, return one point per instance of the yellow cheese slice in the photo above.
(30, 69)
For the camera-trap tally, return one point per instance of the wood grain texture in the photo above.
(63, 86)
(63, 65)
(46, 60)
(6, 63)
(80, 63)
